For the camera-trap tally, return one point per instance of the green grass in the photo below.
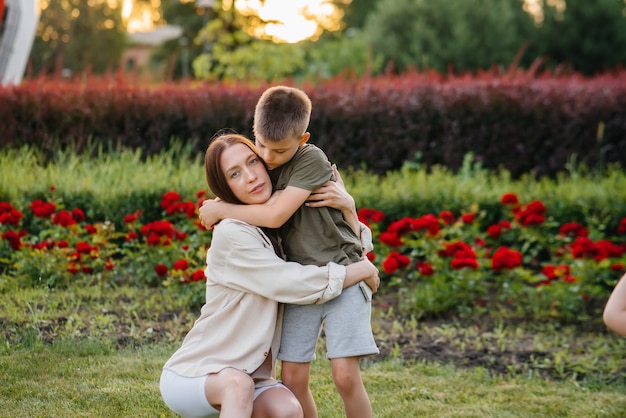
(89, 379)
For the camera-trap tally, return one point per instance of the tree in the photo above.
(465, 35)
(78, 35)
(586, 36)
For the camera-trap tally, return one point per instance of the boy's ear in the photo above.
(304, 138)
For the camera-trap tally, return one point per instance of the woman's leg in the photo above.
(296, 377)
(232, 391)
(347, 378)
(277, 402)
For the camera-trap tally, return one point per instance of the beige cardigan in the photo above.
(241, 319)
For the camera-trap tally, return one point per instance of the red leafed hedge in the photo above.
(519, 122)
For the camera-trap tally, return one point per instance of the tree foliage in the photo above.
(585, 36)
(465, 35)
(78, 35)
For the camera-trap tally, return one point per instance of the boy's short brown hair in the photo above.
(282, 112)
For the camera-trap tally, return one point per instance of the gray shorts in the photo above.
(347, 326)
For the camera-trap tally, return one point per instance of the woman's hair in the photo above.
(212, 164)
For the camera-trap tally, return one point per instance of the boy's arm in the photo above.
(270, 216)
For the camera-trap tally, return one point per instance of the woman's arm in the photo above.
(240, 258)
(615, 310)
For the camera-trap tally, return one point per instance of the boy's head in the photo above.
(281, 118)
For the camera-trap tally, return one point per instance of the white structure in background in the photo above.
(16, 41)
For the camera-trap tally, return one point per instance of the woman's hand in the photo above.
(364, 271)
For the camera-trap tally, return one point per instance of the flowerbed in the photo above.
(527, 265)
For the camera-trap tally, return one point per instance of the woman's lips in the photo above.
(257, 188)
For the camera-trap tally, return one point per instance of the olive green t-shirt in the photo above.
(314, 235)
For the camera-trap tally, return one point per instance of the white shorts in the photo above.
(185, 395)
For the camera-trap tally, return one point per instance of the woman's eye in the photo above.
(234, 174)
(253, 161)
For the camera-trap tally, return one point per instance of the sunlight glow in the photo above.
(292, 21)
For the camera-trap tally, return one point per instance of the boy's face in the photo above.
(278, 153)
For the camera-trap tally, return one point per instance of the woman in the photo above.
(614, 314)
(226, 362)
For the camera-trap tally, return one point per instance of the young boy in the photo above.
(310, 235)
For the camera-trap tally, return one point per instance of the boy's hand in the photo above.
(208, 212)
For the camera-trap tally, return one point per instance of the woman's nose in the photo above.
(250, 174)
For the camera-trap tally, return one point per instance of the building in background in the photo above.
(136, 58)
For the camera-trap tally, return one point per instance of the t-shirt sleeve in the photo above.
(311, 169)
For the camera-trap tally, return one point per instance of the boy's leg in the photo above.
(296, 377)
(347, 378)
(349, 337)
(277, 402)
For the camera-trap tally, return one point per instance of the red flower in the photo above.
(468, 218)
(428, 222)
(161, 269)
(447, 217)
(9, 215)
(86, 269)
(42, 209)
(128, 219)
(153, 240)
(83, 247)
(198, 276)
(63, 218)
(457, 249)
(160, 228)
(390, 238)
(621, 229)
(394, 261)
(13, 238)
(90, 229)
(505, 258)
(132, 235)
(425, 268)
(181, 264)
(169, 198)
(555, 272)
(509, 199)
(63, 244)
(78, 215)
(108, 264)
(617, 267)
(371, 256)
(401, 226)
(73, 268)
(366, 215)
(573, 229)
(494, 231)
(531, 214)
(459, 263)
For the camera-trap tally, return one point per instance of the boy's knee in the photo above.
(295, 373)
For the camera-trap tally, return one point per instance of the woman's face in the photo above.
(246, 175)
